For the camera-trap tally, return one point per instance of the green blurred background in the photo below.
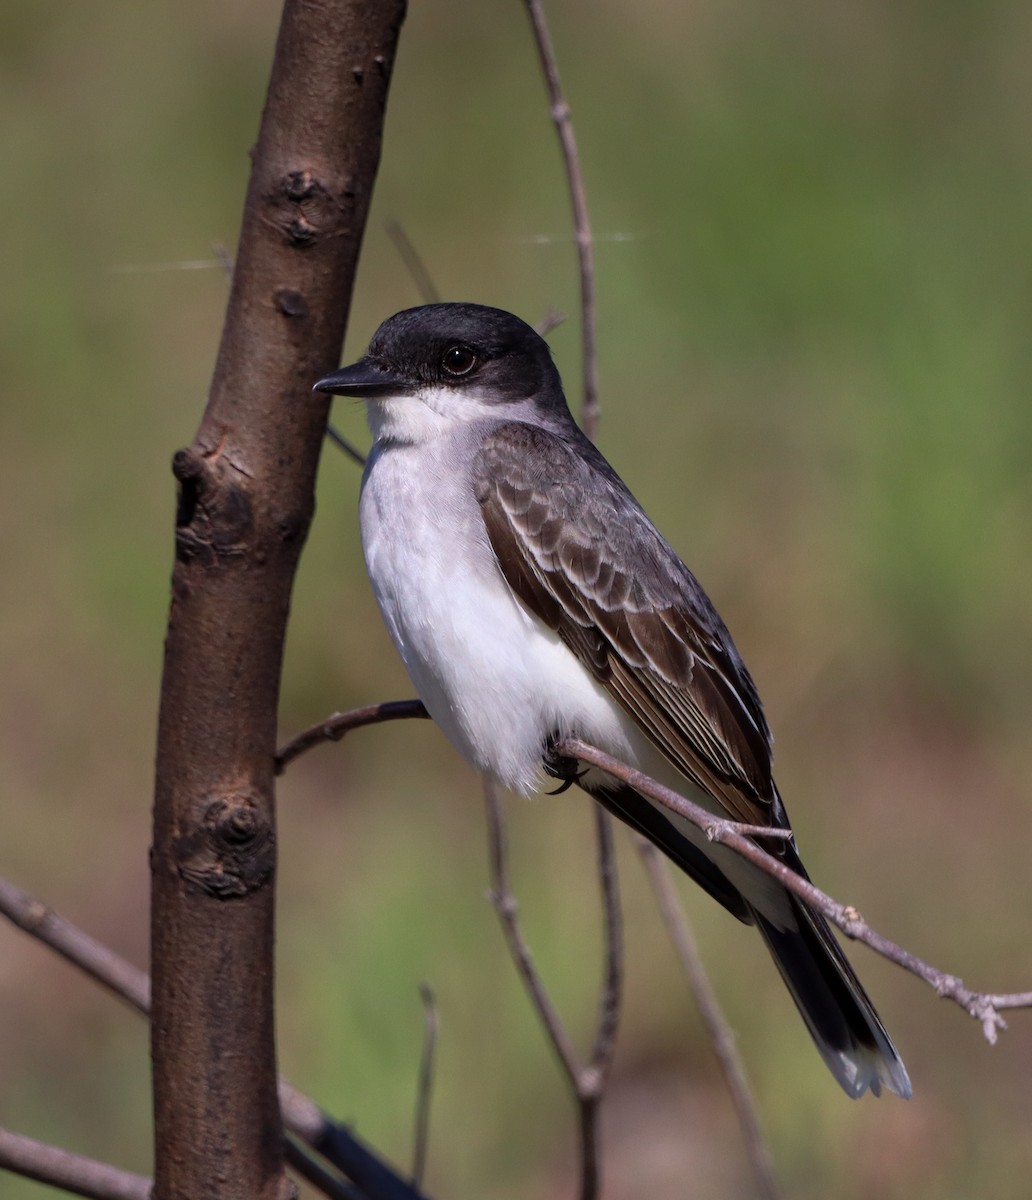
(815, 287)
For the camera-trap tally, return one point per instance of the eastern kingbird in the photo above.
(531, 599)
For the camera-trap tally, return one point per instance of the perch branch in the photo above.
(982, 1006)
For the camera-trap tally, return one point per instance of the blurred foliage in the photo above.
(815, 279)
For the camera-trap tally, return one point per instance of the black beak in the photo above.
(364, 378)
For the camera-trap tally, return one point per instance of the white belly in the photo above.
(495, 680)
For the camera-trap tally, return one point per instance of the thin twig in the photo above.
(342, 443)
(713, 1018)
(224, 259)
(425, 1087)
(414, 264)
(586, 1082)
(983, 1006)
(552, 319)
(312, 1168)
(69, 1172)
(612, 973)
(560, 112)
(501, 896)
(301, 1115)
(593, 1078)
(339, 724)
(76, 946)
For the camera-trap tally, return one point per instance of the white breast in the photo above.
(495, 680)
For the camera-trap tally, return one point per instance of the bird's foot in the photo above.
(560, 766)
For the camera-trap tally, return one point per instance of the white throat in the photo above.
(416, 418)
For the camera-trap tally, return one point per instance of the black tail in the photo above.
(841, 1019)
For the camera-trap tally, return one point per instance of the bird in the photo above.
(531, 600)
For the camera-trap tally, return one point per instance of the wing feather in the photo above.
(581, 554)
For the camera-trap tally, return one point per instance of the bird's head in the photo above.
(429, 369)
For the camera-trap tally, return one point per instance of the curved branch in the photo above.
(983, 1006)
(339, 724)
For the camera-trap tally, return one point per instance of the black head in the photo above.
(480, 350)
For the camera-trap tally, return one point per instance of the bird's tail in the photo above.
(840, 1017)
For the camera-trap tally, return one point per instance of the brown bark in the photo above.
(245, 503)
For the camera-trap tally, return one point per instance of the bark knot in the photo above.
(214, 520)
(302, 206)
(229, 850)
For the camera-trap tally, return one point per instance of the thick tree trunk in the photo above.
(245, 503)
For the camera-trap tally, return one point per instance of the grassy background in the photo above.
(815, 286)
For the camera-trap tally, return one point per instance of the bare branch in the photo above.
(612, 926)
(342, 443)
(301, 1115)
(76, 946)
(425, 1087)
(592, 1080)
(586, 1083)
(69, 1172)
(414, 264)
(983, 1006)
(338, 724)
(552, 319)
(713, 1018)
(505, 905)
(313, 1168)
(560, 111)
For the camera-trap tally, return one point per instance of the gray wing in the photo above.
(578, 550)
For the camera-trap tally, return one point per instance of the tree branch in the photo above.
(717, 1028)
(507, 908)
(313, 1168)
(983, 1006)
(339, 724)
(245, 503)
(69, 1172)
(75, 946)
(590, 1084)
(425, 1085)
(586, 1082)
(562, 119)
(301, 1115)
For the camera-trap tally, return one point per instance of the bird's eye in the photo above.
(458, 360)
